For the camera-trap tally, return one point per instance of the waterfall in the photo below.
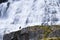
(23, 13)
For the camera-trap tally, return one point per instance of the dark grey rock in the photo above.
(1, 1)
(55, 33)
(25, 34)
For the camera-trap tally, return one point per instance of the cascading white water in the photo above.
(23, 13)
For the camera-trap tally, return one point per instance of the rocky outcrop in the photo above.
(55, 33)
(25, 34)
(32, 33)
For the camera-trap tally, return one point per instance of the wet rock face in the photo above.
(24, 34)
(55, 33)
(1, 1)
(16, 36)
(34, 33)
(12, 36)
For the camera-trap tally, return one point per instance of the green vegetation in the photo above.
(47, 31)
(53, 38)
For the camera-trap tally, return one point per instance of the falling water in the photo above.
(23, 13)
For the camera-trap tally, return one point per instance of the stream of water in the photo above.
(15, 14)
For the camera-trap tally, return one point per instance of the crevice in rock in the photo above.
(1, 1)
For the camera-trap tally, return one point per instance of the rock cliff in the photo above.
(34, 33)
